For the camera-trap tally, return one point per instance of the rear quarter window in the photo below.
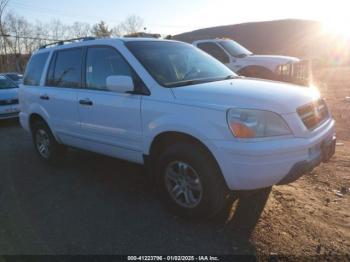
(35, 69)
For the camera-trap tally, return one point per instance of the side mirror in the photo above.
(120, 84)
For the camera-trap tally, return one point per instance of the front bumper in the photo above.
(259, 164)
(327, 150)
(9, 111)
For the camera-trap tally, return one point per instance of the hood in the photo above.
(272, 58)
(278, 97)
(269, 61)
(11, 93)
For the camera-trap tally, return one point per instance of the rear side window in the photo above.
(65, 68)
(34, 69)
(215, 51)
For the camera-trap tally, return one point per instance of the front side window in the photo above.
(174, 64)
(5, 83)
(215, 51)
(102, 62)
(65, 69)
(35, 69)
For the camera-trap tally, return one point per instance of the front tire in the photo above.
(46, 146)
(190, 181)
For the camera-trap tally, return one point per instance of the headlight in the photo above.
(247, 123)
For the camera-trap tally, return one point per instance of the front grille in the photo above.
(314, 114)
(298, 73)
(8, 102)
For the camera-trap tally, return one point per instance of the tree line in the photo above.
(19, 37)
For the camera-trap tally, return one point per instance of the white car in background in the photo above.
(203, 131)
(245, 63)
(9, 107)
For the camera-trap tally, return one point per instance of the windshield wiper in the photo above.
(187, 82)
(199, 81)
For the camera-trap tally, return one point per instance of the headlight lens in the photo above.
(248, 123)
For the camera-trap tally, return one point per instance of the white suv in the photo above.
(203, 131)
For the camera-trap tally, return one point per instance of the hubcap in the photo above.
(183, 184)
(42, 141)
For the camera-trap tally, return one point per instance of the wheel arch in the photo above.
(165, 139)
(33, 117)
(251, 69)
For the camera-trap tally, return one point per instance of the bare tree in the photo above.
(117, 31)
(19, 38)
(131, 24)
(101, 30)
(3, 38)
(79, 29)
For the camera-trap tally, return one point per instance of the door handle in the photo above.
(44, 97)
(86, 102)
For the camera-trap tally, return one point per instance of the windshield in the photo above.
(174, 64)
(6, 84)
(235, 49)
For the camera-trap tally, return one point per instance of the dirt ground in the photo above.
(312, 216)
(97, 205)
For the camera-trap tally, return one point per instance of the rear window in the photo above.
(34, 69)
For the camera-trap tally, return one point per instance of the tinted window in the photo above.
(35, 69)
(174, 64)
(6, 83)
(215, 51)
(65, 69)
(102, 62)
(13, 77)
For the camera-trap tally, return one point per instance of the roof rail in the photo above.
(88, 38)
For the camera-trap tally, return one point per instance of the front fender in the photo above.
(183, 119)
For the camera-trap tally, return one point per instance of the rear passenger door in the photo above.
(59, 96)
(110, 121)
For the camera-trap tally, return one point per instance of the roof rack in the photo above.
(88, 38)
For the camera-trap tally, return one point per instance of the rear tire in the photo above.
(190, 182)
(46, 146)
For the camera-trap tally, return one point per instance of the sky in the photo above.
(177, 16)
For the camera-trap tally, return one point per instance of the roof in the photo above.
(82, 41)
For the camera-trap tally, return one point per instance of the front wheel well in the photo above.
(257, 71)
(35, 118)
(166, 139)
